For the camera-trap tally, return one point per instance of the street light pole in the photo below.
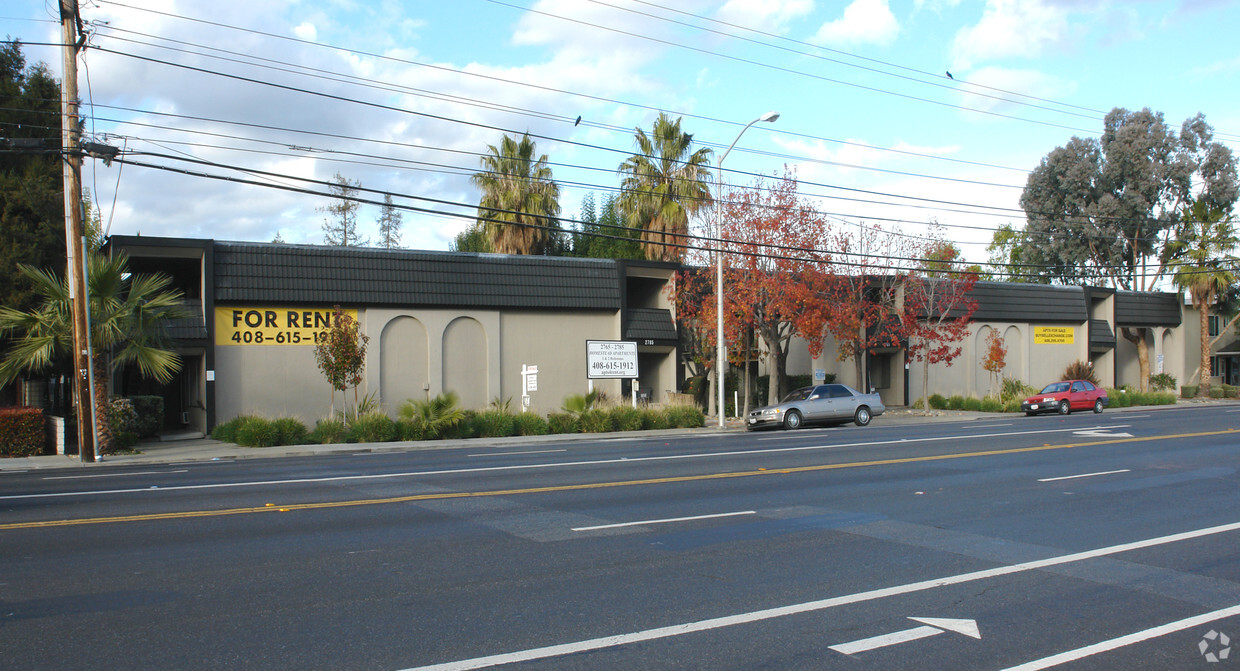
(720, 356)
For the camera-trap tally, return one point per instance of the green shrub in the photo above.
(21, 431)
(1162, 381)
(290, 431)
(991, 404)
(937, 401)
(466, 428)
(653, 419)
(529, 424)
(563, 422)
(257, 432)
(1012, 405)
(372, 427)
(150, 411)
(596, 421)
(435, 418)
(494, 424)
(410, 429)
(1119, 398)
(1189, 391)
(329, 431)
(626, 418)
(1230, 391)
(1015, 389)
(226, 432)
(123, 421)
(1163, 398)
(685, 416)
(1216, 392)
(955, 402)
(972, 403)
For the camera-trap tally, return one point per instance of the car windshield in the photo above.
(799, 394)
(1055, 387)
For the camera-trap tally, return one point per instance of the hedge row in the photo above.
(1216, 391)
(21, 431)
(376, 427)
(1119, 398)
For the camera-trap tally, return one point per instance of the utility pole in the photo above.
(75, 238)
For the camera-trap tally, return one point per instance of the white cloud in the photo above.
(772, 16)
(306, 31)
(1011, 28)
(863, 22)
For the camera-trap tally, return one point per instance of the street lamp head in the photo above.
(769, 117)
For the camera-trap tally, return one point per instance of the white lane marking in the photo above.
(504, 454)
(111, 475)
(813, 606)
(1136, 637)
(795, 434)
(526, 467)
(1101, 433)
(665, 521)
(932, 626)
(991, 426)
(1084, 475)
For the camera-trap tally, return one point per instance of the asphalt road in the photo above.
(1084, 542)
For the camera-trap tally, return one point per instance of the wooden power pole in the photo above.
(75, 238)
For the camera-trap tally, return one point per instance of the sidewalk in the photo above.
(206, 449)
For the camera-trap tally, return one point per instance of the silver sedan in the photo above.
(820, 403)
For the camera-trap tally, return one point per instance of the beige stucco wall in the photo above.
(556, 344)
(480, 351)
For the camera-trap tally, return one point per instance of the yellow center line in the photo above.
(584, 486)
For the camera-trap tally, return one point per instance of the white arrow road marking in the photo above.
(1084, 475)
(931, 626)
(1101, 433)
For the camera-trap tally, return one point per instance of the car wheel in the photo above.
(1098, 406)
(862, 416)
(1064, 408)
(792, 420)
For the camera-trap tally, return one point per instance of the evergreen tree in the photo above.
(340, 229)
(32, 211)
(389, 224)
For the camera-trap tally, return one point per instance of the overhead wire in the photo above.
(688, 238)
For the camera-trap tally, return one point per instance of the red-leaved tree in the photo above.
(995, 358)
(780, 270)
(341, 354)
(862, 314)
(937, 311)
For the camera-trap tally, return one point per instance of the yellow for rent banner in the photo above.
(272, 326)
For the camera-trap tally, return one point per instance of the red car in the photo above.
(1064, 397)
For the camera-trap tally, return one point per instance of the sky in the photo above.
(223, 109)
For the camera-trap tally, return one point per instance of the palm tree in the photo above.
(520, 201)
(1204, 240)
(128, 314)
(662, 185)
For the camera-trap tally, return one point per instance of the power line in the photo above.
(690, 240)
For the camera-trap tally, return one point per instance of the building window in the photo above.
(1213, 325)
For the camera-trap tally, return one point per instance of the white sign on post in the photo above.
(611, 359)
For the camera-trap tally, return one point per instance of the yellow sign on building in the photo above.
(272, 326)
(1054, 335)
